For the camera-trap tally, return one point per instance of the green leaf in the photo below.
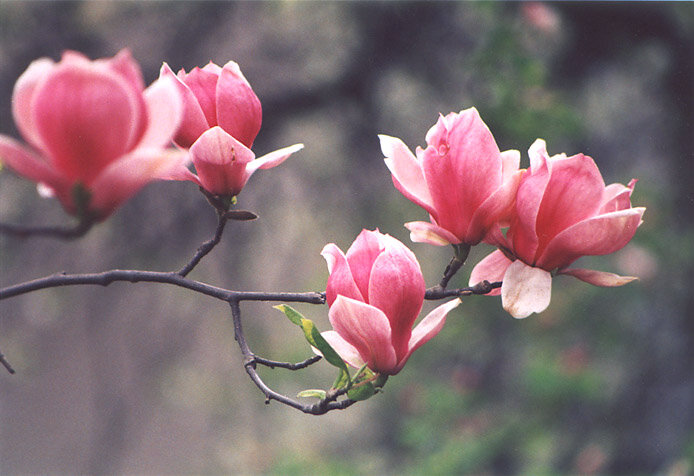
(312, 393)
(342, 379)
(362, 392)
(293, 315)
(316, 340)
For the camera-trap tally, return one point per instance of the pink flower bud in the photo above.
(375, 293)
(563, 211)
(92, 127)
(221, 120)
(215, 96)
(462, 179)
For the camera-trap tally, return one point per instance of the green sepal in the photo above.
(362, 392)
(81, 197)
(312, 393)
(381, 381)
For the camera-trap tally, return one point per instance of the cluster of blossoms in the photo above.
(541, 219)
(95, 135)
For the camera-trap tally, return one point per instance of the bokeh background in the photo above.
(147, 379)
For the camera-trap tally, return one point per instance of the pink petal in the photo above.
(125, 177)
(220, 162)
(124, 65)
(498, 207)
(408, 176)
(428, 328)
(617, 197)
(492, 268)
(525, 290)
(343, 348)
(367, 329)
(462, 171)
(510, 162)
(528, 200)
(86, 118)
(272, 159)
(397, 288)
(203, 84)
(598, 278)
(425, 232)
(194, 122)
(238, 108)
(599, 235)
(22, 97)
(573, 193)
(341, 280)
(26, 163)
(361, 256)
(164, 113)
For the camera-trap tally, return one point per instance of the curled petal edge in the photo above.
(425, 232)
(598, 278)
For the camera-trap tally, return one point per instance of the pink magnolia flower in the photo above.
(95, 135)
(221, 120)
(462, 179)
(375, 293)
(563, 211)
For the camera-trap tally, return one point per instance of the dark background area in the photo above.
(147, 379)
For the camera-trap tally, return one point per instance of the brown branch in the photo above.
(6, 364)
(460, 253)
(135, 276)
(287, 365)
(207, 246)
(65, 233)
(483, 287)
(250, 360)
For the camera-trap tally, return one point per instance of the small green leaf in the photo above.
(312, 393)
(316, 340)
(293, 315)
(362, 392)
(342, 379)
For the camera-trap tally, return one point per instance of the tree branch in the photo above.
(287, 365)
(134, 276)
(207, 246)
(65, 233)
(323, 406)
(6, 364)
(483, 287)
(460, 254)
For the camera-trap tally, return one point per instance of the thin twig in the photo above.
(460, 253)
(250, 360)
(287, 365)
(6, 364)
(207, 246)
(483, 287)
(65, 233)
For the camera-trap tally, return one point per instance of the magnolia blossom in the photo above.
(462, 179)
(221, 120)
(95, 135)
(375, 293)
(563, 211)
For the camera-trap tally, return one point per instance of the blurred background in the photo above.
(147, 379)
